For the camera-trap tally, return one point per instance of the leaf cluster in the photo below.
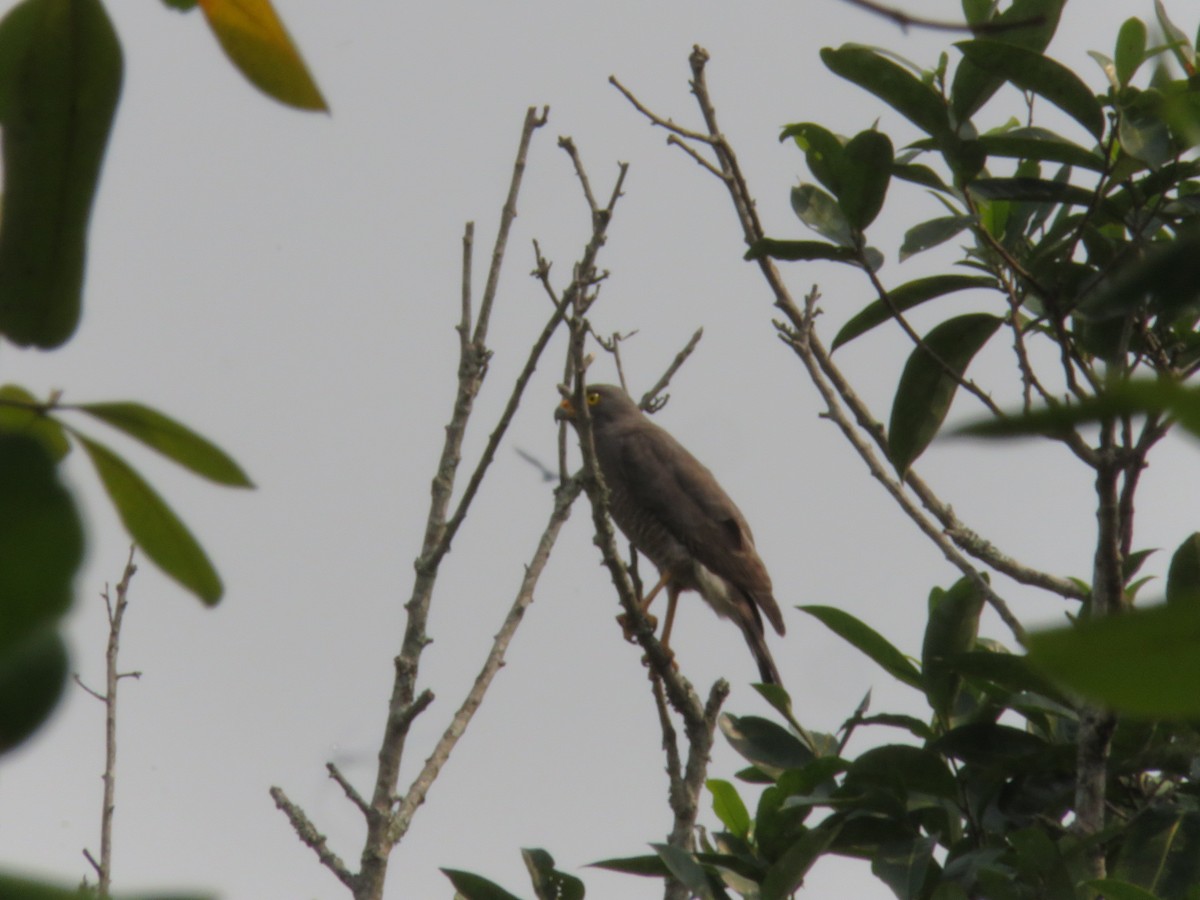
(973, 801)
(1084, 238)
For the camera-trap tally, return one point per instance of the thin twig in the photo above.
(347, 788)
(308, 834)
(656, 120)
(676, 141)
(649, 401)
(568, 144)
(419, 789)
(815, 360)
(116, 616)
(612, 345)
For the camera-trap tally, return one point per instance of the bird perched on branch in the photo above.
(673, 511)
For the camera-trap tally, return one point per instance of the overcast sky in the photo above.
(287, 284)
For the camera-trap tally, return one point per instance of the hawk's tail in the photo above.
(757, 642)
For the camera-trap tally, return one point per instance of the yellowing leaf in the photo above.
(254, 39)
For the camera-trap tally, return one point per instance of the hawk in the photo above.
(674, 512)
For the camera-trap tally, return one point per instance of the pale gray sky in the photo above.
(287, 284)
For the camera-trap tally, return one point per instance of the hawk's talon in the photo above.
(670, 656)
(627, 626)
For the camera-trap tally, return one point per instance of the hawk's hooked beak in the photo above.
(566, 410)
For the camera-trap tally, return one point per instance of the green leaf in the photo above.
(867, 170)
(1142, 129)
(1116, 889)
(1124, 398)
(41, 540)
(1167, 277)
(1042, 145)
(476, 887)
(787, 873)
(904, 865)
(153, 525)
(914, 726)
(933, 232)
(973, 86)
(902, 771)
(256, 41)
(1006, 670)
(1131, 49)
(1029, 70)
(1184, 52)
(1183, 577)
(791, 251)
(948, 890)
(1145, 663)
(1031, 190)
(20, 414)
(645, 866)
(929, 382)
(729, 807)
(951, 630)
(821, 213)
(33, 673)
(891, 83)
(989, 744)
(777, 696)
(1040, 861)
(822, 151)
(862, 636)
(60, 78)
(548, 882)
(905, 297)
(769, 746)
(173, 440)
(1161, 851)
(688, 872)
(919, 174)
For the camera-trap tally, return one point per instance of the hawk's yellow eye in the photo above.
(593, 398)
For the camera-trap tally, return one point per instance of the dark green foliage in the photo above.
(41, 548)
(60, 78)
(929, 382)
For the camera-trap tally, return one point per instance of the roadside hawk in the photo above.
(673, 511)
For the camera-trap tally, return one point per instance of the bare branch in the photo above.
(94, 693)
(405, 704)
(415, 796)
(675, 141)
(351, 794)
(116, 616)
(568, 144)
(533, 122)
(87, 854)
(308, 834)
(648, 401)
(816, 360)
(656, 120)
